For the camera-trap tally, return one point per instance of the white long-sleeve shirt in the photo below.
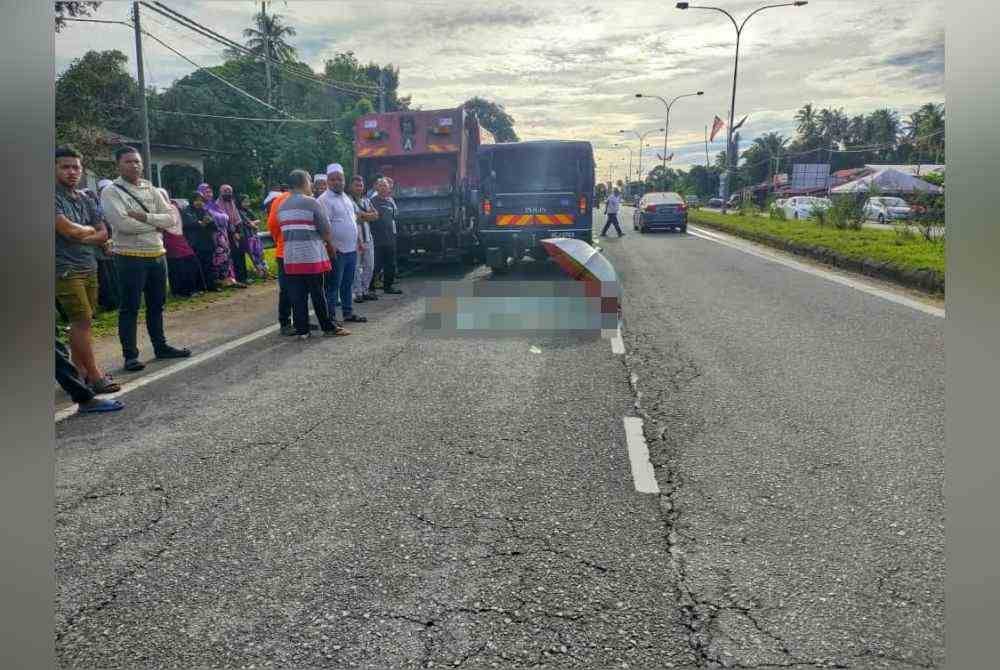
(131, 237)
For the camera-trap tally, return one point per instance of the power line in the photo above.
(241, 118)
(224, 81)
(173, 15)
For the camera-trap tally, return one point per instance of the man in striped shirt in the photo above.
(307, 237)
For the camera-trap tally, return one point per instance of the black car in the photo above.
(715, 203)
(661, 211)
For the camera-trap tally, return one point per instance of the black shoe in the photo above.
(362, 298)
(313, 326)
(288, 331)
(173, 352)
(392, 291)
(134, 365)
(371, 296)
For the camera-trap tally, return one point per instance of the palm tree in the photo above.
(884, 128)
(807, 125)
(268, 35)
(925, 130)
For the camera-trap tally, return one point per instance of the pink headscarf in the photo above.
(229, 207)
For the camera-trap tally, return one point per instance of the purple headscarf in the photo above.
(229, 208)
(212, 207)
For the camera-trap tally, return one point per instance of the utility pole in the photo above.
(706, 148)
(146, 161)
(267, 47)
(381, 91)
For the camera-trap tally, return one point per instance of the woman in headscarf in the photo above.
(237, 232)
(183, 271)
(222, 261)
(254, 246)
(199, 230)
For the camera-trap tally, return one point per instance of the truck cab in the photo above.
(531, 191)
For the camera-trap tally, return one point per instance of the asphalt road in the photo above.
(398, 498)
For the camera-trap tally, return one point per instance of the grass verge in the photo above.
(106, 323)
(910, 260)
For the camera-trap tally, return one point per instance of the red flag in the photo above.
(717, 125)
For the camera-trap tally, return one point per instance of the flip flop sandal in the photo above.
(104, 386)
(102, 406)
(354, 318)
(341, 332)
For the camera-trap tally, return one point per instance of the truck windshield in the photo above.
(536, 169)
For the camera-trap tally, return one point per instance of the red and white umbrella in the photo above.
(585, 263)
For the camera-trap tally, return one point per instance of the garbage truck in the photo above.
(530, 191)
(431, 158)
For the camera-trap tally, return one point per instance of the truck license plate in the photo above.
(562, 234)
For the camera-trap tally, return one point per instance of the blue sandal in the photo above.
(100, 405)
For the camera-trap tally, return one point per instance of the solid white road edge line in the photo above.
(638, 454)
(184, 364)
(745, 247)
(617, 343)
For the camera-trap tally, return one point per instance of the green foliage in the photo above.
(493, 117)
(846, 213)
(74, 10)
(97, 90)
(935, 178)
(878, 245)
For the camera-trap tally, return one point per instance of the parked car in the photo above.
(715, 202)
(884, 209)
(803, 207)
(661, 211)
(693, 201)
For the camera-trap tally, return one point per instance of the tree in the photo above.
(267, 37)
(807, 125)
(73, 9)
(925, 131)
(493, 118)
(97, 90)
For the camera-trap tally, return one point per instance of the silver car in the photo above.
(884, 209)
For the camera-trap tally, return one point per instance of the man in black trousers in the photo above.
(384, 233)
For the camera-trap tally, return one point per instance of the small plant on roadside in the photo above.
(846, 213)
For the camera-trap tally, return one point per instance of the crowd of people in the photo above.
(128, 241)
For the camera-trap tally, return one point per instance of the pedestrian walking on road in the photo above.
(611, 208)
(80, 231)
(366, 214)
(183, 269)
(137, 214)
(307, 237)
(340, 210)
(384, 235)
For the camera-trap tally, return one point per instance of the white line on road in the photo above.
(617, 343)
(826, 274)
(638, 454)
(176, 367)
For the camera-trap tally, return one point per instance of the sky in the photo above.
(570, 69)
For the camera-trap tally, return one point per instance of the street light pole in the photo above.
(629, 169)
(730, 159)
(666, 127)
(642, 146)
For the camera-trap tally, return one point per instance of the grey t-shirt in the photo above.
(74, 257)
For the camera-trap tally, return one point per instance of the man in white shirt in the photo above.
(340, 211)
(611, 209)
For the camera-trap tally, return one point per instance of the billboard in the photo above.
(810, 176)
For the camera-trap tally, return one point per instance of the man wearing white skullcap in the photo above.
(319, 184)
(340, 210)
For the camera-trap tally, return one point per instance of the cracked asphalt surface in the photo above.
(399, 500)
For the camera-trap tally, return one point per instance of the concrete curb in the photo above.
(929, 281)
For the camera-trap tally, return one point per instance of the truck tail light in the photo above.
(651, 209)
(487, 207)
(583, 205)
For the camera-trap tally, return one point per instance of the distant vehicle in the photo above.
(661, 211)
(693, 201)
(715, 202)
(803, 207)
(734, 200)
(884, 209)
(533, 191)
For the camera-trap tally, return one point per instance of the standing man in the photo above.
(366, 249)
(346, 236)
(384, 234)
(79, 233)
(611, 209)
(319, 184)
(137, 213)
(307, 248)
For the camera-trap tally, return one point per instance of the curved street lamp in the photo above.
(666, 129)
(730, 163)
(642, 145)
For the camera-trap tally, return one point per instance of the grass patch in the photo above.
(882, 246)
(106, 323)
